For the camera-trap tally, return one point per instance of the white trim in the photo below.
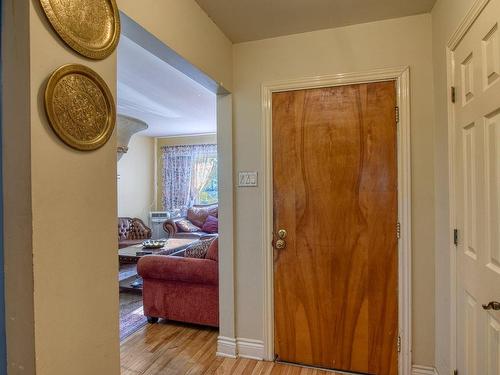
(249, 348)
(466, 23)
(451, 216)
(240, 347)
(464, 26)
(227, 302)
(404, 216)
(423, 370)
(402, 77)
(226, 347)
(340, 79)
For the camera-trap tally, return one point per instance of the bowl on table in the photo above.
(154, 244)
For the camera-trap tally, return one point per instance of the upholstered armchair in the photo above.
(190, 226)
(132, 231)
(181, 288)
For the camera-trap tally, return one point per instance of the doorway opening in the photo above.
(174, 222)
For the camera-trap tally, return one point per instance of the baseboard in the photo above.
(226, 347)
(254, 349)
(248, 348)
(423, 370)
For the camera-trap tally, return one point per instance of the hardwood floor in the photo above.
(169, 348)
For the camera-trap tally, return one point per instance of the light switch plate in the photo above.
(247, 179)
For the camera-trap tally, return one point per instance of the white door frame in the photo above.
(401, 76)
(469, 19)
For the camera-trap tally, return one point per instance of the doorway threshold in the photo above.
(333, 371)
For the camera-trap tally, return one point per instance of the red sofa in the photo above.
(181, 289)
(197, 216)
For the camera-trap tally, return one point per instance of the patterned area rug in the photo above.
(131, 313)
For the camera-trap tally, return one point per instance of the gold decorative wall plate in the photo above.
(80, 107)
(90, 27)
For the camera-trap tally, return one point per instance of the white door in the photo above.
(477, 193)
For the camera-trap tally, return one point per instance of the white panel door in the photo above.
(477, 193)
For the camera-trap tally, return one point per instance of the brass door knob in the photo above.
(493, 305)
(280, 244)
(282, 234)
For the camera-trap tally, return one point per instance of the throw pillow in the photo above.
(198, 215)
(211, 225)
(213, 250)
(198, 249)
(186, 226)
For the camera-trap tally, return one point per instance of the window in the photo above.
(189, 176)
(210, 193)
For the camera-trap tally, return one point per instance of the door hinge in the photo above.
(453, 94)
(397, 115)
(398, 230)
(455, 237)
(399, 344)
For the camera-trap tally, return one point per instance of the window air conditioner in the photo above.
(156, 220)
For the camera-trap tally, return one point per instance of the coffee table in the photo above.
(129, 256)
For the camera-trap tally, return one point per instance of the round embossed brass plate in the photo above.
(90, 27)
(80, 107)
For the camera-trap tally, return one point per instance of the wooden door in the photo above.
(477, 194)
(335, 194)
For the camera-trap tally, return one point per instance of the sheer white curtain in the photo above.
(186, 171)
(177, 167)
(204, 162)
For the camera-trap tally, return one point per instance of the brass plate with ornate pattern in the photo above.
(80, 107)
(90, 27)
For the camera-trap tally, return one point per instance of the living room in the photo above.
(167, 184)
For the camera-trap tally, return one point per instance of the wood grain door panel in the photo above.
(335, 192)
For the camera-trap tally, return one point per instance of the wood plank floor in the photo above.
(169, 348)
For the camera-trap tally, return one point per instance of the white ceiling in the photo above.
(245, 20)
(167, 100)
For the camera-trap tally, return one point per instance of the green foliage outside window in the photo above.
(209, 194)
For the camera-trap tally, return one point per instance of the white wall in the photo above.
(136, 181)
(397, 42)
(446, 17)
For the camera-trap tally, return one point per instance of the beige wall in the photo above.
(64, 192)
(187, 140)
(175, 141)
(136, 178)
(20, 319)
(183, 26)
(446, 17)
(397, 42)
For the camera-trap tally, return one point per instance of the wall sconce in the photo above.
(126, 128)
